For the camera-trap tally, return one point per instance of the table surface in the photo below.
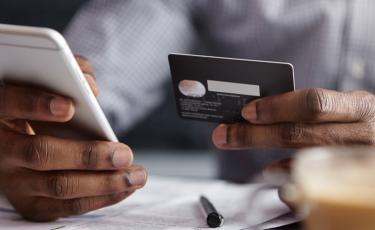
(196, 164)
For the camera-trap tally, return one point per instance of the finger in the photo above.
(70, 184)
(20, 126)
(84, 64)
(87, 70)
(311, 105)
(92, 83)
(22, 103)
(44, 153)
(278, 172)
(292, 135)
(48, 209)
(288, 194)
(279, 166)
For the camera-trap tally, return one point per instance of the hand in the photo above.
(87, 70)
(45, 178)
(303, 118)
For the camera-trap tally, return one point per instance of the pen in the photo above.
(214, 219)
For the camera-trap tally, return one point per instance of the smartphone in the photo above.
(40, 57)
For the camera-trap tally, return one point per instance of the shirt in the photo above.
(331, 43)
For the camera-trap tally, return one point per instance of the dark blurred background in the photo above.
(54, 14)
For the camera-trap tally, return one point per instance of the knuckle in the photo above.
(292, 133)
(267, 109)
(361, 134)
(366, 106)
(33, 103)
(238, 135)
(112, 182)
(62, 185)
(370, 136)
(39, 210)
(90, 155)
(318, 102)
(334, 136)
(36, 154)
(30, 102)
(80, 206)
(75, 206)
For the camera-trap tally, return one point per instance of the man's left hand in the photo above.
(302, 118)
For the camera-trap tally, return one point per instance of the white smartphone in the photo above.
(40, 57)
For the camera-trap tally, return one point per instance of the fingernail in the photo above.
(122, 158)
(249, 112)
(136, 178)
(60, 106)
(220, 135)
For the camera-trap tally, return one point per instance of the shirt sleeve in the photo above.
(128, 42)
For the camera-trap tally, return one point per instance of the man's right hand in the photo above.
(45, 178)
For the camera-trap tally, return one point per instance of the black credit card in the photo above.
(215, 88)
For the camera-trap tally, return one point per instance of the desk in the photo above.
(187, 164)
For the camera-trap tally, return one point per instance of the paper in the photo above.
(168, 203)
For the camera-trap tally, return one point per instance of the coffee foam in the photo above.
(337, 175)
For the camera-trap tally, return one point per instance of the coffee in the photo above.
(336, 188)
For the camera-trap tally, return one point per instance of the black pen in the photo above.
(213, 218)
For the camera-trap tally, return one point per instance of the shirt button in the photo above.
(356, 67)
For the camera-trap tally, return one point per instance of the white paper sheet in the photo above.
(168, 203)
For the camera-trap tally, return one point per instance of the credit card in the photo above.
(216, 88)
